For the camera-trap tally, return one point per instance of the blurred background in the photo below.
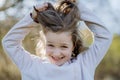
(11, 11)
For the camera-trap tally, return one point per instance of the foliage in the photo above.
(110, 66)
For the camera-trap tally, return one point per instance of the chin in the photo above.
(58, 64)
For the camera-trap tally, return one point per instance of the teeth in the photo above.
(57, 58)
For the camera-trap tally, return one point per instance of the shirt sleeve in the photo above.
(102, 38)
(12, 43)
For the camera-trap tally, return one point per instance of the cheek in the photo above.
(48, 51)
(67, 53)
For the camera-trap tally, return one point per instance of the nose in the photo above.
(56, 52)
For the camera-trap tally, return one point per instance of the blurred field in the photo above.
(109, 68)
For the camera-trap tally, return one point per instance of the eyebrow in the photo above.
(61, 43)
(49, 42)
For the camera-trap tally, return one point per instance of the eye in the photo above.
(50, 45)
(64, 47)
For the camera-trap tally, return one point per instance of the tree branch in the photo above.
(7, 4)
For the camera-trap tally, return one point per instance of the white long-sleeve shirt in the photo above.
(33, 68)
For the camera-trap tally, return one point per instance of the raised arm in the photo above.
(102, 37)
(12, 42)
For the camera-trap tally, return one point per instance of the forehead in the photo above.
(61, 37)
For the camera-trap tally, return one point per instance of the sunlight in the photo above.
(1, 2)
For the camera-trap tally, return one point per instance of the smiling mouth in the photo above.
(57, 58)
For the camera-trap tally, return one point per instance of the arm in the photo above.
(102, 38)
(12, 43)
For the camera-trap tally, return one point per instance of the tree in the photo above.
(9, 3)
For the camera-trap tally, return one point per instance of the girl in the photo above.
(66, 56)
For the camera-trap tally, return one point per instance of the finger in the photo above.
(39, 7)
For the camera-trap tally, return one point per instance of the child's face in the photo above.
(59, 47)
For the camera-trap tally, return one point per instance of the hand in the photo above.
(38, 8)
(71, 0)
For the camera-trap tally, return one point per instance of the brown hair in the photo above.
(64, 17)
